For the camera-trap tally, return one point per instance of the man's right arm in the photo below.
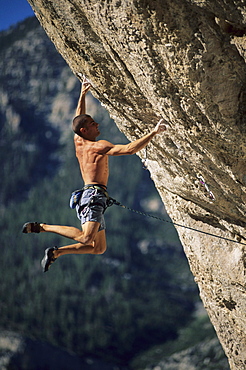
(81, 108)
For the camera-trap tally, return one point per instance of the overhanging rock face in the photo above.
(183, 60)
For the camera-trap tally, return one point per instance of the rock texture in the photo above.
(183, 60)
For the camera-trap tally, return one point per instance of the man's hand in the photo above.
(161, 126)
(85, 86)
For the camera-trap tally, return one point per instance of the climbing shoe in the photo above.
(31, 227)
(48, 258)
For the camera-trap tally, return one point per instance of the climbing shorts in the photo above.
(91, 207)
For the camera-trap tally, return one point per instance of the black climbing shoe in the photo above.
(48, 258)
(31, 227)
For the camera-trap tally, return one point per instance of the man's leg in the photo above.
(67, 231)
(98, 246)
(91, 242)
(89, 239)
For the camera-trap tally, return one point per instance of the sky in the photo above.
(13, 11)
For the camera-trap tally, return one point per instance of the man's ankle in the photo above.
(42, 227)
(56, 253)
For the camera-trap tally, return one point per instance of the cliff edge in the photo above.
(183, 60)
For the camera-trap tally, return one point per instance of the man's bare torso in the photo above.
(93, 165)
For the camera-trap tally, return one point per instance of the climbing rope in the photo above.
(112, 201)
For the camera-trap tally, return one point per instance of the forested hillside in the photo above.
(138, 295)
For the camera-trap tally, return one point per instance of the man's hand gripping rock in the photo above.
(161, 126)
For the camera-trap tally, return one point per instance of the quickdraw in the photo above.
(202, 181)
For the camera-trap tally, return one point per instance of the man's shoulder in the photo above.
(77, 138)
(103, 146)
(103, 142)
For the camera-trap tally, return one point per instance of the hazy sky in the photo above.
(13, 11)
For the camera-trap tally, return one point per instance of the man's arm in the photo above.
(134, 146)
(81, 108)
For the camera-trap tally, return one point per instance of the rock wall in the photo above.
(183, 60)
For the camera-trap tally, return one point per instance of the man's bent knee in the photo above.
(99, 249)
(86, 240)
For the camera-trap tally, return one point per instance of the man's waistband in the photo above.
(99, 187)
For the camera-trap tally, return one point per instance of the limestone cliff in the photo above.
(183, 60)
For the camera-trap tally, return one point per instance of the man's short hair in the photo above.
(79, 122)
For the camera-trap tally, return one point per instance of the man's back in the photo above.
(93, 164)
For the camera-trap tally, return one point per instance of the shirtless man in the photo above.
(92, 156)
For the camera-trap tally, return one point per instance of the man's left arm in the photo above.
(134, 146)
(81, 107)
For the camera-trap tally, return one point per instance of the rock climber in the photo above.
(92, 156)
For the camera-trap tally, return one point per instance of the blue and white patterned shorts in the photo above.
(94, 211)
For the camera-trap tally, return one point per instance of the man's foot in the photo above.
(48, 258)
(31, 227)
